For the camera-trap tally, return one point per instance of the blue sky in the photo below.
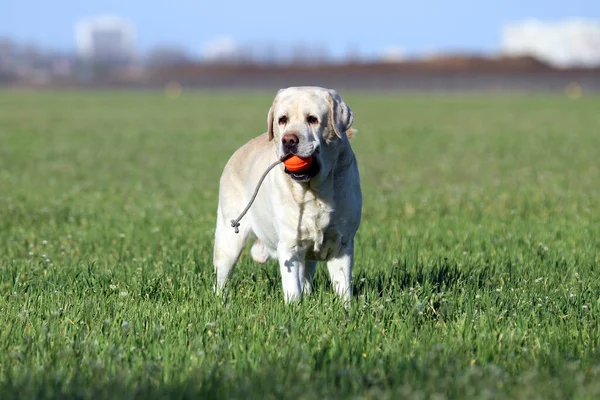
(369, 26)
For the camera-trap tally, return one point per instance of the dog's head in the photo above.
(310, 122)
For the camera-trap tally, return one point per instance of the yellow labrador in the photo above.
(297, 218)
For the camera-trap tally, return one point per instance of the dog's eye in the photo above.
(283, 120)
(311, 119)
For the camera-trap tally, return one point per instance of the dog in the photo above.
(298, 218)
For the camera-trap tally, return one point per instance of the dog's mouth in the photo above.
(307, 175)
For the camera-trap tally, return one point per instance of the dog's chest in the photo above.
(316, 231)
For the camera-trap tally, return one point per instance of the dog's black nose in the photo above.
(290, 141)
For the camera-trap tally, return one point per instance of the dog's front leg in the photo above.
(340, 272)
(291, 264)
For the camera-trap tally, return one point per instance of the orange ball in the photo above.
(297, 164)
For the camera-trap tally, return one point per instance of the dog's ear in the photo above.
(270, 123)
(341, 116)
(271, 116)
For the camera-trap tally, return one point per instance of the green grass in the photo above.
(477, 269)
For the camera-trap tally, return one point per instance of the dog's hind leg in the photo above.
(227, 250)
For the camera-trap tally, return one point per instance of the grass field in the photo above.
(477, 269)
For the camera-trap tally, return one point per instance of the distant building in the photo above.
(167, 56)
(568, 43)
(106, 39)
(7, 60)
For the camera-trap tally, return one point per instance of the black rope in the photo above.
(235, 223)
